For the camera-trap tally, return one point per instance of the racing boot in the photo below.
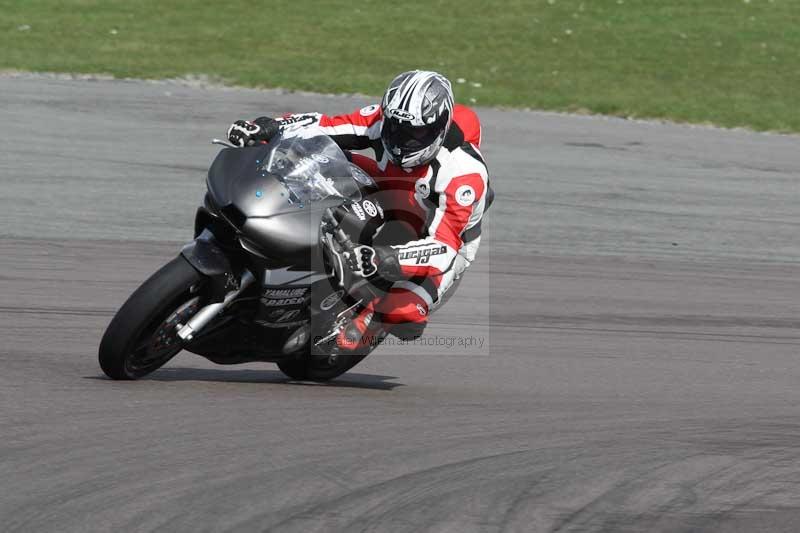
(361, 333)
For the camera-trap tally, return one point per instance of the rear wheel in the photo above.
(318, 367)
(325, 362)
(142, 336)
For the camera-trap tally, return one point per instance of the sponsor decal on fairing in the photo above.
(283, 293)
(331, 300)
(370, 208)
(281, 297)
(358, 211)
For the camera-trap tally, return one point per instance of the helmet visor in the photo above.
(401, 137)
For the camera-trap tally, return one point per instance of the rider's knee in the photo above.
(406, 322)
(405, 314)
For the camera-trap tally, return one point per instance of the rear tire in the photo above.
(318, 368)
(140, 338)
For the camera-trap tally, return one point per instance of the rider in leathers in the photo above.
(431, 175)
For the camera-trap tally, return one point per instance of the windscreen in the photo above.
(313, 169)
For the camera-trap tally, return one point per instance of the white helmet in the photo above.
(417, 113)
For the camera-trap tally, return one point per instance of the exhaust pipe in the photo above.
(209, 312)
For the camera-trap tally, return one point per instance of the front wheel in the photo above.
(142, 336)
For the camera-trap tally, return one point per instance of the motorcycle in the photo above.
(264, 278)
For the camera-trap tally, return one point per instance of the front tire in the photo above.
(142, 336)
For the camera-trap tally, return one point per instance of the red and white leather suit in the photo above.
(442, 202)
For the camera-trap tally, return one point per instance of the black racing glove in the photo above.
(362, 260)
(367, 261)
(246, 133)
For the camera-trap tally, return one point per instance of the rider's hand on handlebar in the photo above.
(246, 133)
(366, 261)
(362, 260)
(243, 133)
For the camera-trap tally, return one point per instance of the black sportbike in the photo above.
(263, 279)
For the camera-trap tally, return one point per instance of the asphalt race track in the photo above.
(625, 356)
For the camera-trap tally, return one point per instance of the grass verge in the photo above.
(728, 62)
